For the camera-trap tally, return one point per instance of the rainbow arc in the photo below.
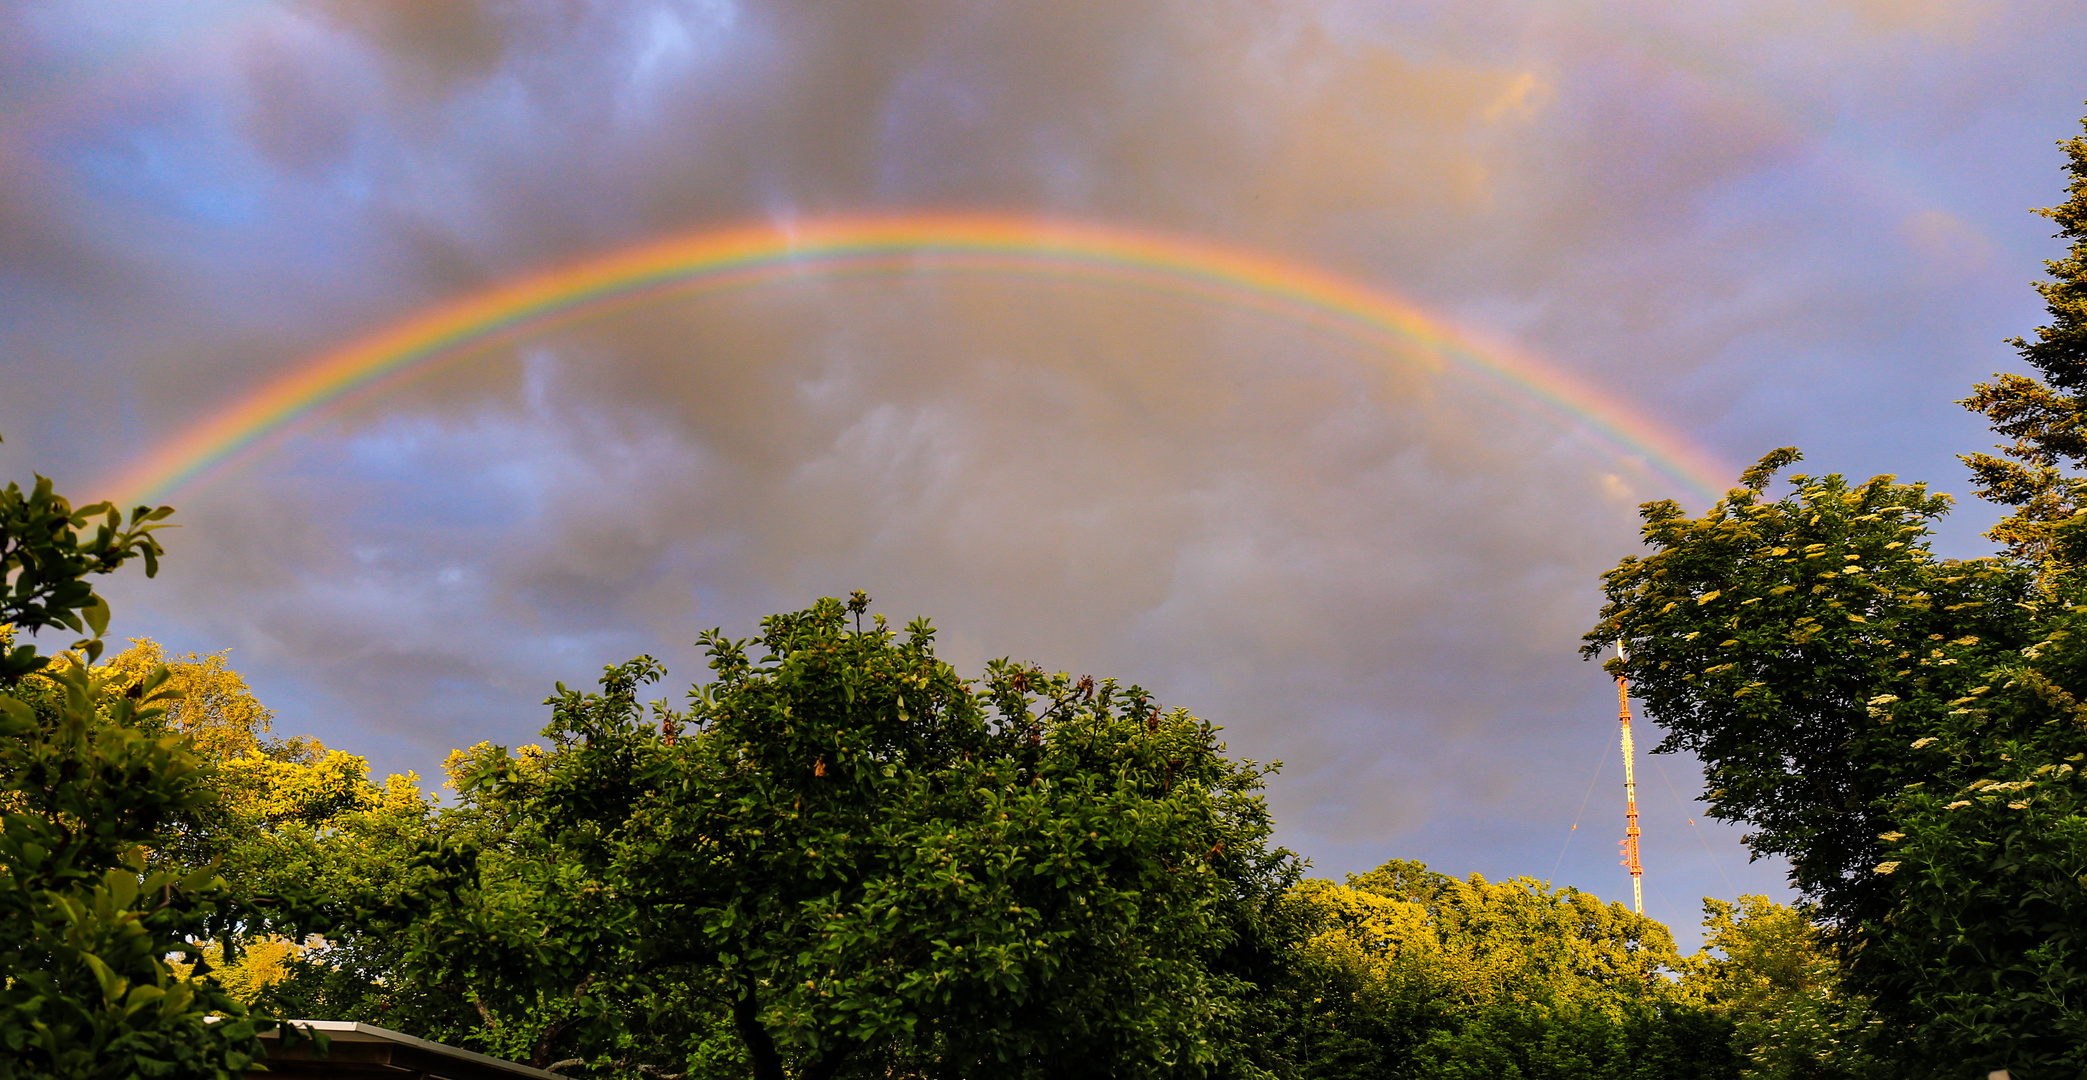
(756, 255)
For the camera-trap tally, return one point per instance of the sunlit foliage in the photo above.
(1410, 973)
(1766, 968)
(91, 787)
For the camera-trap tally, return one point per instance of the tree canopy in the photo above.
(1411, 973)
(838, 859)
(846, 859)
(91, 788)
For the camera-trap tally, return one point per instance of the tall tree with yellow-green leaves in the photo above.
(285, 815)
(212, 705)
(1766, 969)
(273, 795)
(1406, 974)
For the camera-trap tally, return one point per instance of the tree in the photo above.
(1761, 634)
(279, 816)
(2047, 417)
(1773, 977)
(1987, 940)
(45, 563)
(1849, 693)
(87, 788)
(211, 703)
(1410, 973)
(1905, 729)
(264, 788)
(859, 863)
(299, 820)
(370, 854)
(486, 959)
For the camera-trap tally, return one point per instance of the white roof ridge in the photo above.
(383, 1034)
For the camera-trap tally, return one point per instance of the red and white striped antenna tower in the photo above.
(1630, 789)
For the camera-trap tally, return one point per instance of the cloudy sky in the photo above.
(1750, 223)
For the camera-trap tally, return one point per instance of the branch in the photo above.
(541, 1050)
(544, 1042)
(484, 1013)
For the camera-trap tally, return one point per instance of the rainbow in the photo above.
(753, 255)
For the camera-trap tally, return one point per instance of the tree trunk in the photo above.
(746, 1016)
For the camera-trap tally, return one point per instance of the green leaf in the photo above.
(97, 615)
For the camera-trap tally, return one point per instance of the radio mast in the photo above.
(1630, 790)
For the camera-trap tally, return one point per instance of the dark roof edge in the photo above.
(349, 1030)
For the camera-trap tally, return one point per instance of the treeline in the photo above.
(840, 860)
(836, 858)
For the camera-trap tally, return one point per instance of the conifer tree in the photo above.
(2046, 417)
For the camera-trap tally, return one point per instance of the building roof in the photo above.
(367, 1052)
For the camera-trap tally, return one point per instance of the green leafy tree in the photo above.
(1905, 729)
(310, 822)
(1557, 1040)
(376, 862)
(89, 783)
(1850, 695)
(849, 861)
(1987, 942)
(1760, 634)
(279, 817)
(465, 925)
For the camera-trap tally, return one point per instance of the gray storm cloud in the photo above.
(1772, 223)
